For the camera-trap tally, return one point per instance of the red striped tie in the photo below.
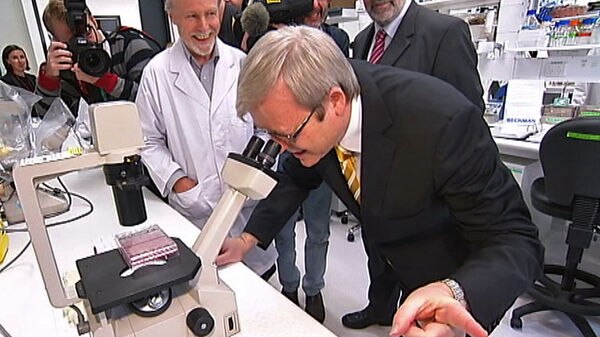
(379, 47)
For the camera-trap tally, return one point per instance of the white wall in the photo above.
(15, 31)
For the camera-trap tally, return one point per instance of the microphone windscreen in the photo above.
(255, 19)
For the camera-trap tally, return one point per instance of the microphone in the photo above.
(255, 19)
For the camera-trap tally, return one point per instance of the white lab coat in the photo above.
(184, 129)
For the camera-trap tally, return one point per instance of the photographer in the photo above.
(316, 19)
(114, 77)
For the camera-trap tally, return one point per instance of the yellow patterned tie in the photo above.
(348, 163)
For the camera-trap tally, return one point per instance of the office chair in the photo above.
(570, 190)
(339, 210)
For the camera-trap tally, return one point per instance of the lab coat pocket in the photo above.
(192, 203)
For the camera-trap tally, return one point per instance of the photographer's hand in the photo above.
(80, 75)
(59, 58)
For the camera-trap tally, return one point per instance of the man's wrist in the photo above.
(249, 240)
(456, 290)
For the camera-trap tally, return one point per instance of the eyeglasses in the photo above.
(291, 138)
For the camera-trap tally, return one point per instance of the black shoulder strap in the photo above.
(130, 33)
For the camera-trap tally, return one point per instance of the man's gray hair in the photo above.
(168, 5)
(306, 59)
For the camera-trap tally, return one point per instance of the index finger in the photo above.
(457, 316)
(405, 316)
(58, 45)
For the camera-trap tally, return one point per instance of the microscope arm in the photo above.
(116, 134)
(26, 178)
(244, 182)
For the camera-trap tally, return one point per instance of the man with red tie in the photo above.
(412, 37)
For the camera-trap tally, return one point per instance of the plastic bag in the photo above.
(82, 125)
(54, 129)
(15, 127)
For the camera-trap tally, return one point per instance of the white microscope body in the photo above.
(202, 305)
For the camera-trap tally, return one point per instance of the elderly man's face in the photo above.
(383, 11)
(198, 23)
(281, 116)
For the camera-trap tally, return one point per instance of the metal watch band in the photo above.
(457, 291)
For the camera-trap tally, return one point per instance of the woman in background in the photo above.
(16, 63)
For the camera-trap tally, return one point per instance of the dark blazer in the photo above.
(28, 82)
(431, 43)
(435, 198)
(340, 37)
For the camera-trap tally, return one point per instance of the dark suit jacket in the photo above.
(431, 43)
(340, 37)
(428, 168)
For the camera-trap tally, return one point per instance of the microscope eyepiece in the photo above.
(253, 148)
(269, 153)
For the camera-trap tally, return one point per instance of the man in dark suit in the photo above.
(425, 41)
(428, 42)
(435, 201)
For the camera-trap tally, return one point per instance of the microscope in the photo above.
(181, 297)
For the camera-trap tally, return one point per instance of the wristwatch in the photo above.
(457, 291)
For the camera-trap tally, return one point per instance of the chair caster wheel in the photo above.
(344, 219)
(350, 237)
(516, 323)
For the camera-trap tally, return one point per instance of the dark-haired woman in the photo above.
(16, 63)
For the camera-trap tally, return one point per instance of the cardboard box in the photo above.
(343, 3)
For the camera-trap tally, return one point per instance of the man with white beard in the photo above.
(187, 109)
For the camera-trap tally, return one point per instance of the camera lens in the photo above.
(94, 62)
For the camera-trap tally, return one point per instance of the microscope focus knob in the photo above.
(200, 322)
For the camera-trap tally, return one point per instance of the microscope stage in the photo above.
(101, 282)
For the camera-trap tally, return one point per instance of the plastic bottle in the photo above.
(596, 32)
(585, 32)
(531, 22)
(53, 143)
(572, 32)
(557, 37)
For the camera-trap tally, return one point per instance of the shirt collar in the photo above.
(352, 139)
(392, 27)
(214, 57)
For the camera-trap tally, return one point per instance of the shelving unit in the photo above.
(447, 5)
(559, 48)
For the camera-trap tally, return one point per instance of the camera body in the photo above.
(287, 11)
(91, 58)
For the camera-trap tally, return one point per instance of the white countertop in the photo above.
(26, 312)
(518, 148)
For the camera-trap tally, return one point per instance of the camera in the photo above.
(259, 17)
(92, 59)
(287, 11)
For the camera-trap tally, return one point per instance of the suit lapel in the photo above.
(186, 80)
(362, 44)
(401, 40)
(330, 171)
(378, 150)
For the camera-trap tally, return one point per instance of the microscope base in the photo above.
(219, 302)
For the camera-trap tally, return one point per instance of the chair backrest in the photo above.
(570, 156)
